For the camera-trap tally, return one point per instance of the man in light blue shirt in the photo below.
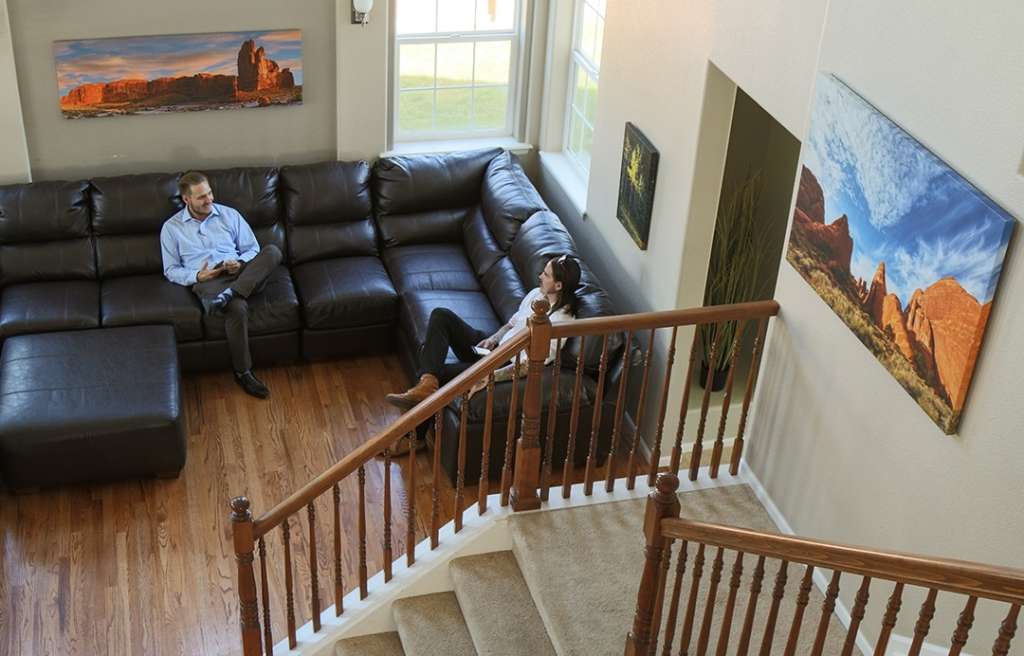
(211, 248)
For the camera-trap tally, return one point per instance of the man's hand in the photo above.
(206, 273)
(232, 266)
(490, 343)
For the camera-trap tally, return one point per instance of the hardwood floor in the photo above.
(146, 567)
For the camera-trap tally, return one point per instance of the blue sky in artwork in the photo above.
(905, 206)
(151, 57)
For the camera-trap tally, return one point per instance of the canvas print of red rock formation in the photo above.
(184, 72)
(900, 246)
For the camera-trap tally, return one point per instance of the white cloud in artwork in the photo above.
(853, 146)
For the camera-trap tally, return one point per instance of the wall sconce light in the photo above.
(361, 11)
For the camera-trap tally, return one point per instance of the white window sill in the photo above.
(456, 145)
(568, 176)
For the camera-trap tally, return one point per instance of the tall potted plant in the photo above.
(734, 272)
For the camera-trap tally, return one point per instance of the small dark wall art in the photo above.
(175, 73)
(636, 184)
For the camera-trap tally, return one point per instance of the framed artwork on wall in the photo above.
(902, 248)
(636, 184)
(174, 73)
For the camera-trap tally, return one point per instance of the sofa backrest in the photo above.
(128, 212)
(423, 199)
(328, 210)
(45, 232)
(253, 191)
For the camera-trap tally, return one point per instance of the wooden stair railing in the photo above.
(527, 473)
(663, 527)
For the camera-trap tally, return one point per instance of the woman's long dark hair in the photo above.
(566, 270)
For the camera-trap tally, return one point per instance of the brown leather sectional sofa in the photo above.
(368, 255)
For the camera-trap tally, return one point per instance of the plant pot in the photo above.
(717, 381)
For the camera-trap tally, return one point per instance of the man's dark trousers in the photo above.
(249, 280)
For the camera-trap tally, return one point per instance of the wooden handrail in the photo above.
(664, 319)
(962, 577)
(385, 438)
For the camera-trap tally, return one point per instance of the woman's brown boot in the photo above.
(427, 385)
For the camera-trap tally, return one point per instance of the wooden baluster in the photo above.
(435, 492)
(892, 609)
(339, 583)
(677, 449)
(510, 435)
(410, 499)
(709, 605)
(662, 503)
(641, 402)
(773, 613)
(691, 605)
(528, 452)
(595, 421)
(314, 574)
(801, 605)
(827, 608)
(673, 609)
(716, 451)
(963, 626)
(730, 605)
(289, 594)
(659, 598)
(364, 589)
(1006, 632)
(460, 474)
(549, 435)
(485, 454)
(737, 444)
(924, 622)
(388, 554)
(574, 417)
(859, 604)
(620, 407)
(268, 640)
(243, 540)
(748, 620)
(698, 443)
(652, 469)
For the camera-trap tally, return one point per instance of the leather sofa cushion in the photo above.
(420, 183)
(253, 192)
(44, 211)
(472, 307)
(503, 397)
(47, 306)
(133, 204)
(508, 198)
(434, 226)
(273, 310)
(481, 246)
(328, 210)
(430, 266)
(151, 299)
(345, 292)
(68, 259)
(504, 288)
(129, 255)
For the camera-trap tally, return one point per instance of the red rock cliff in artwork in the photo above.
(832, 240)
(256, 72)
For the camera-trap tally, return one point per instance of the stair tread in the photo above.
(433, 624)
(496, 604)
(376, 644)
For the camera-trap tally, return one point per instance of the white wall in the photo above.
(14, 154)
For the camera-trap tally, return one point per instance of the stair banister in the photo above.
(527, 470)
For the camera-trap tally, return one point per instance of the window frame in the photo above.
(592, 70)
(516, 38)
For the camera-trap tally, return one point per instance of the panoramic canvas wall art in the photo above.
(901, 247)
(184, 72)
(636, 185)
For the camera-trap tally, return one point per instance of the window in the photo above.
(457, 68)
(588, 35)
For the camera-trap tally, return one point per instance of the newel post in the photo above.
(662, 503)
(245, 544)
(528, 452)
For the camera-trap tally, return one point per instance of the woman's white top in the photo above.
(525, 311)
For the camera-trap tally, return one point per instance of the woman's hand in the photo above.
(489, 343)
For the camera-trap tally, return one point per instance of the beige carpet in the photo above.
(583, 567)
(378, 644)
(432, 625)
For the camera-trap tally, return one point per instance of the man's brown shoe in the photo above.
(427, 385)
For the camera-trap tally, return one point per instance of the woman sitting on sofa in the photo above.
(559, 282)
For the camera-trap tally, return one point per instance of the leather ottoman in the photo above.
(90, 405)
